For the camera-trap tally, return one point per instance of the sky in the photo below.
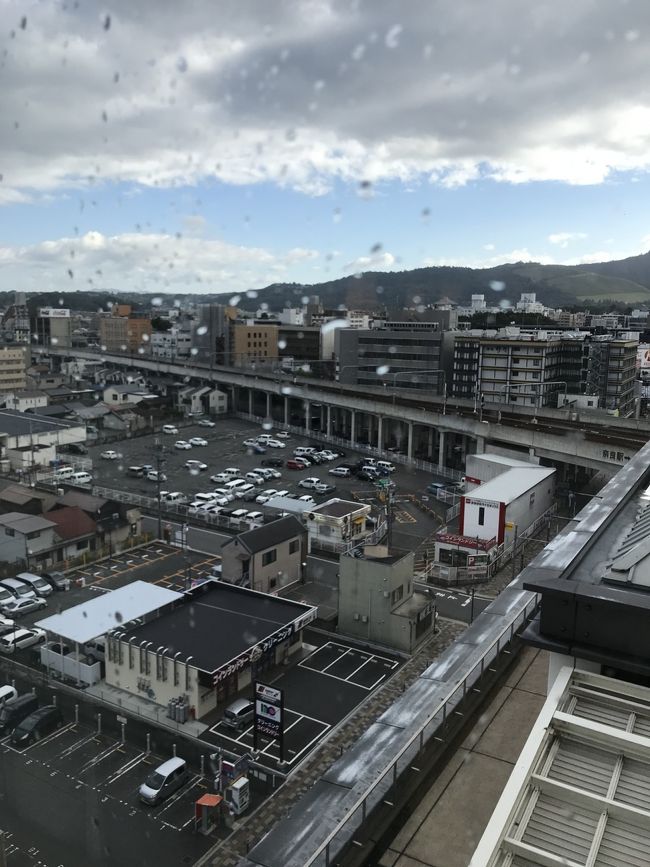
(214, 147)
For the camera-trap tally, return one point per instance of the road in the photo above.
(455, 604)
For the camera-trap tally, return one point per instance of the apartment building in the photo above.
(538, 368)
(13, 368)
(52, 326)
(253, 342)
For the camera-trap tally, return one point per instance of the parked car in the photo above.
(155, 476)
(7, 623)
(239, 514)
(56, 579)
(258, 449)
(220, 477)
(307, 498)
(282, 434)
(294, 464)
(265, 496)
(343, 472)
(255, 517)
(239, 714)
(182, 444)
(272, 462)
(324, 488)
(35, 582)
(7, 693)
(223, 494)
(254, 478)
(282, 493)
(37, 725)
(197, 441)
(20, 639)
(365, 476)
(18, 607)
(249, 443)
(274, 474)
(109, 455)
(169, 429)
(77, 449)
(264, 472)
(14, 711)
(196, 466)
(205, 422)
(310, 483)
(164, 781)
(276, 444)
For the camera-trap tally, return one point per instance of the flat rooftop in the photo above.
(15, 423)
(339, 508)
(217, 623)
(512, 484)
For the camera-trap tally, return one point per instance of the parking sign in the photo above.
(269, 715)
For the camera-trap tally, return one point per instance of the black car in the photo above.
(365, 476)
(271, 462)
(37, 725)
(315, 459)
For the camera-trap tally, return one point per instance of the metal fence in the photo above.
(432, 727)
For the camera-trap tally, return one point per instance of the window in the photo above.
(481, 516)
(9, 531)
(294, 546)
(397, 594)
(269, 557)
(532, 500)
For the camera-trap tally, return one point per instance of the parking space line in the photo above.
(365, 662)
(308, 745)
(182, 791)
(334, 676)
(113, 748)
(337, 659)
(124, 769)
(76, 745)
(51, 737)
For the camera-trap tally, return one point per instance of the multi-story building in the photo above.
(15, 321)
(534, 368)
(400, 355)
(175, 343)
(13, 368)
(52, 326)
(253, 342)
(211, 337)
(299, 342)
(125, 334)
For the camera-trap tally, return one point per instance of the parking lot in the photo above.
(72, 798)
(319, 692)
(225, 449)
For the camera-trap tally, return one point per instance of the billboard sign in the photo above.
(269, 715)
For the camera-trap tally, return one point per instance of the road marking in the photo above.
(125, 768)
(337, 659)
(50, 738)
(184, 789)
(76, 745)
(100, 757)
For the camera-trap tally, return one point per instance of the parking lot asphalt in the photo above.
(225, 449)
(333, 677)
(72, 799)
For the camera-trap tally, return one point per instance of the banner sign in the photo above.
(269, 715)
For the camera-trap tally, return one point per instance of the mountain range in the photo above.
(625, 281)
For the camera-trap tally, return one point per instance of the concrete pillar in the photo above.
(441, 449)
(409, 446)
(352, 426)
(286, 411)
(307, 415)
(328, 423)
(480, 445)
(268, 404)
(380, 433)
(250, 401)
(430, 447)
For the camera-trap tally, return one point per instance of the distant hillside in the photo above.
(627, 280)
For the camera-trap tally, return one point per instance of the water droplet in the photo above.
(107, 22)
(426, 213)
(382, 370)
(319, 85)
(305, 299)
(375, 248)
(54, 340)
(234, 301)
(290, 134)
(202, 329)
(251, 293)
(181, 64)
(267, 424)
(156, 302)
(497, 285)
(282, 344)
(632, 35)
(123, 347)
(392, 36)
(103, 348)
(194, 351)
(145, 338)
(358, 51)
(333, 324)
(23, 22)
(286, 389)
(70, 273)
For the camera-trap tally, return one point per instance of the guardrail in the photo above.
(376, 791)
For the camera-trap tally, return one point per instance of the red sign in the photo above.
(473, 481)
(466, 541)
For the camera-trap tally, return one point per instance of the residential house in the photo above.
(25, 499)
(76, 530)
(267, 558)
(25, 399)
(115, 521)
(123, 394)
(338, 524)
(26, 538)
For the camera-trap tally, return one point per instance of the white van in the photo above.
(264, 438)
(231, 473)
(303, 451)
(80, 478)
(235, 485)
(18, 589)
(204, 498)
(174, 497)
(38, 584)
(164, 781)
(255, 478)
(61, 473)
(386, 466)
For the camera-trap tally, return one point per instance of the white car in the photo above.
(256, 517)
(198, 441)
(281, 493)
(307, 498)
(311, 483)
(109, 455)
(282, 434)
(343, 472)
(223, 494)
(18, 607)
(195, 465)
(264, 472)
(249, 443)
(274, 474)
(265, 496)
(329, 456)
(205, 422)
(13, 641)
(169, 429)
(220, 477)
(275, 444)
(239, 514)
(182, 444)
(155, 476)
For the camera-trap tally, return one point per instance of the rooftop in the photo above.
(15, 423)
(336, 508)
(23, 523)
(83, 501)
(512, 484)
(89, 620)
(578, 793)
(268, 535)
(72, 522)
(219, 623)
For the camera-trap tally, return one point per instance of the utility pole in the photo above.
(160, 461)
(514, 553)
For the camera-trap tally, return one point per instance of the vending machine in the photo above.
(238, 796)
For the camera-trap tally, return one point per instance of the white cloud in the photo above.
(139, 262)
(378, 261)
(308, 92)
(563, 239)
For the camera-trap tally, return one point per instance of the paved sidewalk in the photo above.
(246, 834)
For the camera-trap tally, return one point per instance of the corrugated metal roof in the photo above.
(89, 620)
(580, 792)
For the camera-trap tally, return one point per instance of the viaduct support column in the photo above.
(380, 433)
(441, 449)
(250, 401)
(352, 426)
(409, 446)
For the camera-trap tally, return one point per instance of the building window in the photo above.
(532, 500)
(481, 516)
(269, 557)
(397, 594)
(9, 531)
(294, 546)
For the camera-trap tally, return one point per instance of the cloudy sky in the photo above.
(221, 146)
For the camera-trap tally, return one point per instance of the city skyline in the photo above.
(144, 150)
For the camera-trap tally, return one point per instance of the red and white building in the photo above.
(494, 513)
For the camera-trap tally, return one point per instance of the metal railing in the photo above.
(436, 719)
